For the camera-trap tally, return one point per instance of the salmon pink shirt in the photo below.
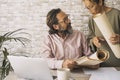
(56, 49)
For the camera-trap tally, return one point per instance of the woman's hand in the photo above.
(96, 41)
(115, 39)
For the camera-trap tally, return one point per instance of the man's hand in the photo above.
(68, 63)
(115, 39)
(96, 41)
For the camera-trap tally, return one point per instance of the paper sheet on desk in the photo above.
(103, 74)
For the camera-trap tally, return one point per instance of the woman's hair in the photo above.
(51, 19)
(97, 1)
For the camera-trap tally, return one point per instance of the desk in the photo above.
(77, 74)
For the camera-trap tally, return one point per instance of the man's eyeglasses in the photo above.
(65, 20)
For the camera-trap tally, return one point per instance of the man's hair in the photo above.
(97, 1)
(51, 19)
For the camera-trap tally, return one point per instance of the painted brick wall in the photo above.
(31, 15)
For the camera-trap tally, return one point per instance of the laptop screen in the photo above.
(30, 68)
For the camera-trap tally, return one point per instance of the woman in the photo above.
(95, 37)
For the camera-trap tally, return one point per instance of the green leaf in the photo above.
(10, 36)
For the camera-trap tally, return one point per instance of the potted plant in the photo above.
(9, 36)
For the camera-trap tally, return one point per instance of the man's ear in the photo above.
(56, 27)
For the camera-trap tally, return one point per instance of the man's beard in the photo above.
(69, 30)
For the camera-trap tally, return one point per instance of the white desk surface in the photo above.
(77, 74)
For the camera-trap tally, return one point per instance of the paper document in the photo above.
(106, 29)
(104, 73)
(94, 59)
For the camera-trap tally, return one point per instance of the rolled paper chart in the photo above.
(106, 29)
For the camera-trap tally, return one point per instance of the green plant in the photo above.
(9, 36)
(6, 67)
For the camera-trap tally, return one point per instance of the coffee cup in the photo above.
(63, 74)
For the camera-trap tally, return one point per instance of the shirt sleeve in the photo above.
(86, 48)
(91, 34)
(47, 54)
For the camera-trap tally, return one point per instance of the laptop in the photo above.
(30, 68)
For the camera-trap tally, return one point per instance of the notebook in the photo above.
(30, 68)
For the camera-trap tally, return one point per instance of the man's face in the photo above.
(64, 23)
(93, 7)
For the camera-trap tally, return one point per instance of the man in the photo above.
(63, 45)
(96, 37)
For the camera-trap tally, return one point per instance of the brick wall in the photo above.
(31, 15)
